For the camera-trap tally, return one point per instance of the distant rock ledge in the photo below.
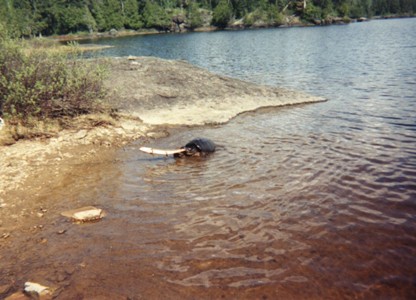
(167, 92)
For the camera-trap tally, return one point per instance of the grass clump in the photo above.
(47, 84)
(40, 85)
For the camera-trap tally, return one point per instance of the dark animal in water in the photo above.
(196, 147)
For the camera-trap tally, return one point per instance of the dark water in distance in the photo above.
(307, 202)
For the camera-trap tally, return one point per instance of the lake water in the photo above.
(307, 202)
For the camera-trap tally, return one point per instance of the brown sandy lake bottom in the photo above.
(283, 210)
(306, 202)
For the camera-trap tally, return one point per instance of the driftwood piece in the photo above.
(161, 151)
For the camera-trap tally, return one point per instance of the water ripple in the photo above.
(320, 195)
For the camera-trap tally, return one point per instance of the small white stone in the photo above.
(84, 214)
(88, 214)
(36, 288)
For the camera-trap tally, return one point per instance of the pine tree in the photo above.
(131, 14)
(155, 16)
(222, 14)
(193, 16)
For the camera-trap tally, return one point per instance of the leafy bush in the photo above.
(41, 83)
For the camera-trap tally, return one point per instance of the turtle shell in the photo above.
(200, 145)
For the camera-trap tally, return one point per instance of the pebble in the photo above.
(81, 134)
(37, 290)
(90, 214)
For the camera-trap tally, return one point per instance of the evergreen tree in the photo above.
(20, 17)
(193, 16)
(97, 12)
(112, 12)
(155, 16)
(222, 14)
(131, 14)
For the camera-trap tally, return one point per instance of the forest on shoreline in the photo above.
(29, 18)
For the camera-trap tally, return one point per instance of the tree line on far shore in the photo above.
(29, 18)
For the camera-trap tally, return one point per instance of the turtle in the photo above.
(196, 147)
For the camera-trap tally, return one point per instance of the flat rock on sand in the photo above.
(84, 214)
(170, 92)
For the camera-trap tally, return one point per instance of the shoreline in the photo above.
(125, 33)
(151, 101)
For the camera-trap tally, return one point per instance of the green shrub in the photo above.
(222, 14)
(312, 13)
(270, 16)
(45, 83)
(253, 17)
(155, 16)
(193, 16)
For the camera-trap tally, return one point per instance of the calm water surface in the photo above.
(308, 202)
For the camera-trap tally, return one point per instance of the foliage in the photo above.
(267, 15)
(155, 16)
(222, 14)
(193, 16)
(132, 19)
(312, 13)
(39, 83)
(28, 18)
(108, 14)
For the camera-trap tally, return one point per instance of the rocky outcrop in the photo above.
(162, 92)
(178, 23)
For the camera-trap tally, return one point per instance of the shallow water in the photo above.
(311, 201)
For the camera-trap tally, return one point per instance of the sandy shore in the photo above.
(151, 94)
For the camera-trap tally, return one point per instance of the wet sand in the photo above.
(152, 96)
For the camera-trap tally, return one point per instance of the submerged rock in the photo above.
(84, 214)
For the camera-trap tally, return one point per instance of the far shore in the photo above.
(81, 36)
